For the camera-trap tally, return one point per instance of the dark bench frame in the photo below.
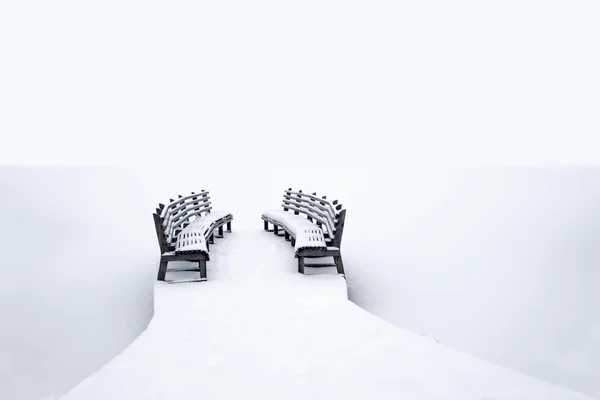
(302, 203)
(194, 204)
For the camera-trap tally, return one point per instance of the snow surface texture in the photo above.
(307, 234)
(260, 330)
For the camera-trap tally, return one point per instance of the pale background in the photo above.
(363, 101)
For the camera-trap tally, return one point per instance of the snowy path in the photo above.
(257, 329)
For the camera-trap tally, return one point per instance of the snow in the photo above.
(176, 205)
(172, 223)
(315, 95)
(496, 262)
(522, 295)
(171, 213)
(309, 203)
(306, 233)
(258, 329)
(501, 263)
(78, 297)
(193, 237)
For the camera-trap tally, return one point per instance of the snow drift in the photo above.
(78, 268)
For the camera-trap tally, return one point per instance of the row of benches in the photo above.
(186, 227)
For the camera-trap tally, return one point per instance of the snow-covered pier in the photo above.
(258, 329)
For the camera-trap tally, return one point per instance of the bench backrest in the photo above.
(329, 216)
(170, 220)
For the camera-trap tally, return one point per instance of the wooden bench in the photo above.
(312, 224)
(185, 229)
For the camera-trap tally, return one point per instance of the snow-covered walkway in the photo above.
(259, 330)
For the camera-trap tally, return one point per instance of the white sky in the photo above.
(439, 82)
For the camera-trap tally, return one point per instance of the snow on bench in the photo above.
(305, 233)
(193, 238)
(185, 228)
(312, 224)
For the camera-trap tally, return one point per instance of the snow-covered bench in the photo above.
(185, 229)
(312, 224)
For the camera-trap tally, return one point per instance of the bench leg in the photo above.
(293, 242)
(162, 270)
(229, 226)
(202, 269)
(220, 235)
(301, 265)
(266, 225)
(339, 264)
(211, 240)
(276, 230)
(287, 235)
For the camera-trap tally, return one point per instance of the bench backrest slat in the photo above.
(174, 203)
(186, 214)
(316, 208)
(171, 219)
(314, 216)
(323, 212)
(321, 204)
(181, 209)
(180, 206)
(176, 213)
(312, 212)
(174, 226)
(306, 196)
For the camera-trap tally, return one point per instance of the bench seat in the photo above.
(193, 238)
(306, 234)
